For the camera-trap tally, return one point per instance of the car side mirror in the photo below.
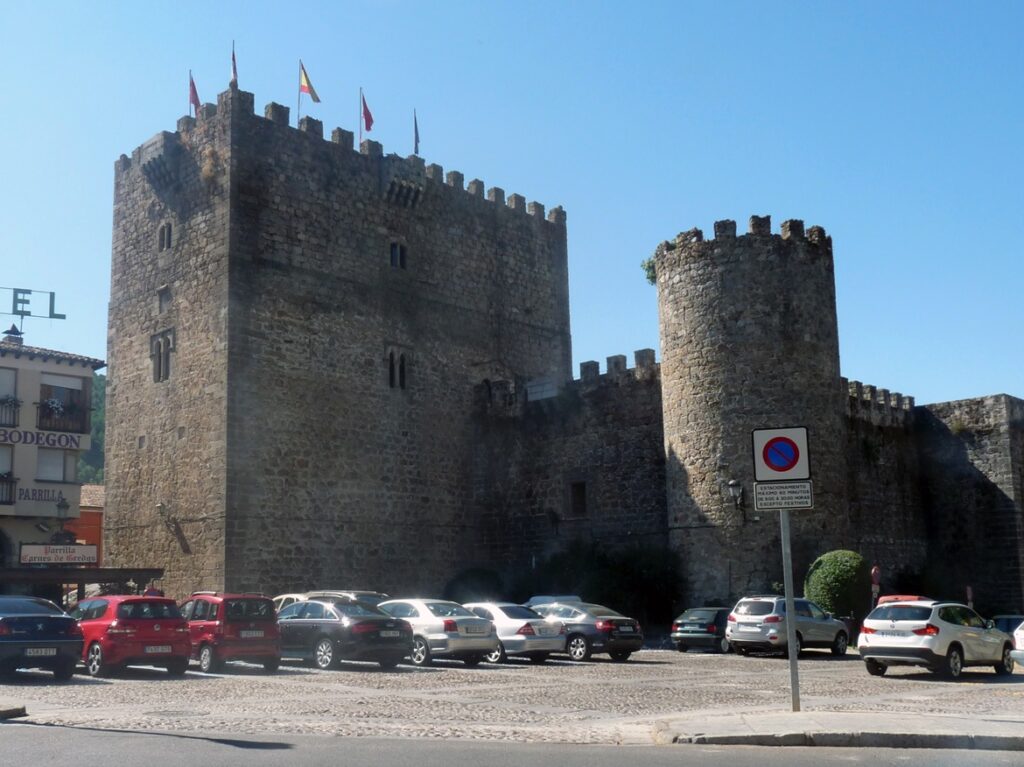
(990, 624)
(829, 616)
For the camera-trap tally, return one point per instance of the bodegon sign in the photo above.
(41, 438)
(45, 554)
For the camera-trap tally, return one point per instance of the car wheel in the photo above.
(208, 661)
(724, 645)
(540, 657)
(578, 647)
(498, 656)
(64, 671)
(94, 662)
(420, 652)
(799, 647)
(177, 667)
(874, 667)
(682, 647)
(1005, 665)
(954, 665)
(473, 660)
(620, 656)
(741, 650)
(323, 653)
(388, 663)
(840, 644)
(271, 665)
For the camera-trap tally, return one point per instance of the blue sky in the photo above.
(897, 127)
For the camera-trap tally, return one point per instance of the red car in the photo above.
(225, 627)
(121, 630)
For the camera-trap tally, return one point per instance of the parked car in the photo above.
(35, 633)
(369, 597)
(521, 631)
(547, 599)
(281, 601)
(226, 627)
(592, 629)
(1008, 623)
(943, 637)
(1018, 642)
(125, 629)
(444, 629)
(325, 633)
(701, 627)
(759, 623)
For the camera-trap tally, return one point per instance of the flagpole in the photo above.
(298, 103)
(190, 92)
(360, 112)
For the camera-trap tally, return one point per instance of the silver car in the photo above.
(759, 623)
(444, 629)
(521, 631)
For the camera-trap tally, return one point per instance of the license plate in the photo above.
(546, 631)
(475, 629)
(253, 634)
(749, 628)
(891, 634)
(37, 652)
(388, 634)
(625, 628)
(158, 648)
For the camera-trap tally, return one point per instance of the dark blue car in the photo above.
(35, 633)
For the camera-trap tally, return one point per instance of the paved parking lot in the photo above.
(596, 702)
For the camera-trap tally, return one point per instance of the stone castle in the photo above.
(331, 366)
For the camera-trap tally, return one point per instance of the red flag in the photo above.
(193, 95)
(367, 117)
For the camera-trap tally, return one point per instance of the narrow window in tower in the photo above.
(402, 252)
(163, 299)
(391, 370)
(578, 499)
(160, 347)
(164, 236)
(401, 371)
(157, 356)
(394, 254)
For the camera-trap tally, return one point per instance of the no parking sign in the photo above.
(780, 455)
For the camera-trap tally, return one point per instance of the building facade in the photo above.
(331, 366)
(45, 422)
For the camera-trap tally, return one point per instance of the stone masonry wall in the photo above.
(749, 340)
(972, 461)
(336, 477)
(602, 433)
(165, 441)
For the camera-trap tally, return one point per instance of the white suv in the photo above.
(941, 636)
(1018, 640)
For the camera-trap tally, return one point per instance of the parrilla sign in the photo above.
(46, 554)
(41, 438)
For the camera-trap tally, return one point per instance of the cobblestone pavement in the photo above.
(597, 702)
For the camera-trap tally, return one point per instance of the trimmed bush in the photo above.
(840, 582)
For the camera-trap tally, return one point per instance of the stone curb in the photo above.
(12, 713)
(963, 741)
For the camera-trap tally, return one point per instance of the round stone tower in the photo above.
(749, 340)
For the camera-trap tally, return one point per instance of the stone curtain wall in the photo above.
(165, 443)
(748, 340)
(601, 431)
(335, 478)
(971, 456)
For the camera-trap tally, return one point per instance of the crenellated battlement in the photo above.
(879, 406)
(616, 373)
(406, 179)
(758, 227)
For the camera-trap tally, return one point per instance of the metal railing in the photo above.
(7, 491)
(9, 414)
(76, 422)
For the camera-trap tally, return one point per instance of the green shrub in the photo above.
(840, 582)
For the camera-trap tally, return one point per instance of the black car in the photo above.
(35, 633)
(701, 627)
(326, 633)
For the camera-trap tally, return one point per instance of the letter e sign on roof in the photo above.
(781, 455)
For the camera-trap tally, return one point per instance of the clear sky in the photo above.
(896, 126)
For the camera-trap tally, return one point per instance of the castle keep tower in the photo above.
(749, 340)
(296, 330)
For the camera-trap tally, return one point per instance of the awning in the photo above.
(80, 575)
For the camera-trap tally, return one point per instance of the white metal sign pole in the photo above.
(787, 577)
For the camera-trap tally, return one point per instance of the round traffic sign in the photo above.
(780, 454)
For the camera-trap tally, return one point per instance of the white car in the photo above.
(944, 637)
(521, 631)
(444, 629)
(1018, 642)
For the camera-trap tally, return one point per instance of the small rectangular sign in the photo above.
(783, 495)
(47, 554)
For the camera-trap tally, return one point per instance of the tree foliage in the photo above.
(840, 582)
(649, 270)
(90, 463)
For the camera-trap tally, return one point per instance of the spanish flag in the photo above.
(305, 86)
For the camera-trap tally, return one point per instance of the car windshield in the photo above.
(698, 615)
(249, 610)
(601, 610)
(897, 612)
(148, 609)
(755, 607)
(358, 610)
(449, 610)
(28, 606)
(517, 612)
